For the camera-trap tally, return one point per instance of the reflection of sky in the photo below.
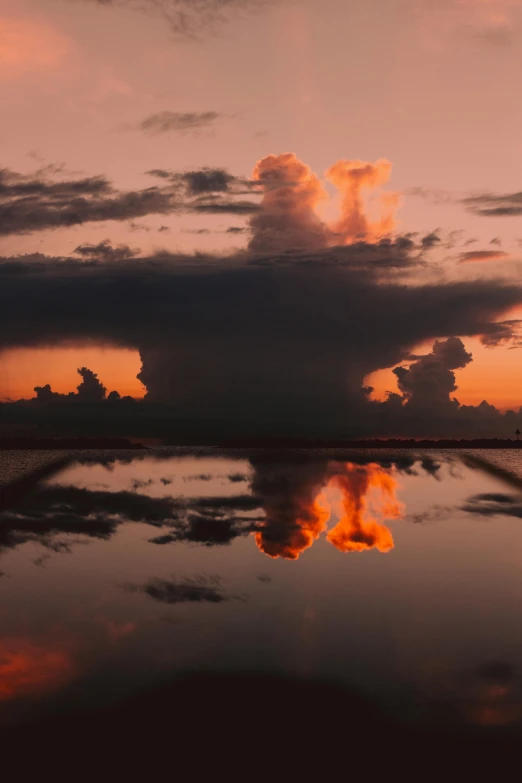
(186, 476)
(417, 622)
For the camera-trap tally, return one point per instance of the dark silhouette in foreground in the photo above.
(222, 723)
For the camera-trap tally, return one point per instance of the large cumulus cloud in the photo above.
(276, 339)
(265, 348)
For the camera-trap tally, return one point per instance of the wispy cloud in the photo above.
(178, 122)
(483, 255)
(495, 204)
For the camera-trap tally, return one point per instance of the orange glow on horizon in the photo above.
(22, 369)
(494, 375)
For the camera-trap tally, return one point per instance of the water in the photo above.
(395, 577)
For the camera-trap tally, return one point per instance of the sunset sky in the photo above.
(119, 99)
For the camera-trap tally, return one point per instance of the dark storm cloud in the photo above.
(195, 590)
(495, 204)
(41, 201)
(287, 338)
(37, 202)
(207, 180)
(181, 122)
(431, 240)
(189, 18)
(429, 380)
(217, 206)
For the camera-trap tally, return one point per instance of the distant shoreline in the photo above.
(50, 444)
(60, 444)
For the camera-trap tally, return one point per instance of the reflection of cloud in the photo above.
(195, 590)
(357, 530)
(297, 508)
(487, 696)
(494, 504)
(493, 701)
(27, 669)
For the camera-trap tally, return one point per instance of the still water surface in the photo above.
(397, 576)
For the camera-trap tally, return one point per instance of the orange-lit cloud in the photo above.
(27, 669)
(353, 178)
(296, 519)
(287, 218)
(483, 255)
(28, 45)
(359, 528)
(292, 193)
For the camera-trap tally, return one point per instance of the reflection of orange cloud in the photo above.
(355, 530)
(300, 535)
(26, 669)
(296, 520)
(29, 45)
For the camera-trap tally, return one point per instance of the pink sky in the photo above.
(430, 87)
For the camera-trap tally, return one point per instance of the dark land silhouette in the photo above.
(68, 443)
(260, 443)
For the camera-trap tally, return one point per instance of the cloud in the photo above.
(189, 18)
(495, 204)
(181, 122)
(207, 180)
(297, 507)
(36, 202)
(352, 178)
(196, 590)
(89, 390)
(104, 251)
(29, 45)
(483, 255)
(428, 382)
(287, 343)
(42, 200)
(287, 217)
(292, 192)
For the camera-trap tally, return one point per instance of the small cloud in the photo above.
(483, 255)
(495, 204)
(196, 590)
(179, 122)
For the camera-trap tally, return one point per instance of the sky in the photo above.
(222, 135)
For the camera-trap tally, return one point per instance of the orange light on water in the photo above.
(26, 669)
